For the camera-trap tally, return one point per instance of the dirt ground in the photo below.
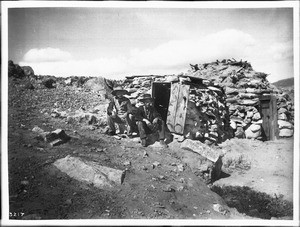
(271, 166)
(38, 190)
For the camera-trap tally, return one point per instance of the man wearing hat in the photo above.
(149, 120)
(119, 111)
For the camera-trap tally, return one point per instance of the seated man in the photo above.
(149, 120)
(119, 111)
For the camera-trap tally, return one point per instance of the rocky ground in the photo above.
(158, 183)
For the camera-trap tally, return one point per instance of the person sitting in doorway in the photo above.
(120, 111)
(149, 120)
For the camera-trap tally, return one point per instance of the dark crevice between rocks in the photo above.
(254, 203)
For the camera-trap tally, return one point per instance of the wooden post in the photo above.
(274, 119)
(177, 107)
(268, 108)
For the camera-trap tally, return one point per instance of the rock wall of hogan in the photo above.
(243, 87)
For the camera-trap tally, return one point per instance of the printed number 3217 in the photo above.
(16, 214)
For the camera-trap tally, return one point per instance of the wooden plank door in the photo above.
(265, 114)
(177, 107)
(269, 117)
(274, 132)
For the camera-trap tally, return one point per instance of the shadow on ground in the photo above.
(254, 203)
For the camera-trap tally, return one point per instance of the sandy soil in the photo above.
(271, 166)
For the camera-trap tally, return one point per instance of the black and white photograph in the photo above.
(150, 113)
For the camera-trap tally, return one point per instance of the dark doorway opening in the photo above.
(161, 96)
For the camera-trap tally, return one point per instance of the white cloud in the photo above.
(168, 58)
(46, 55)
(222, 44)
(280, 51)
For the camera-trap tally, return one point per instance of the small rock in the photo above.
(219, 208)
(182, 180)
(180, 167)
(25, 182)
(127, 163)
(233, 124)
(99, 150)
(284, 124)
(282, 110)
(256, 116)
(255, 127)
(285, 132)
(136, 140)
(282, 116)
(180, 139)
(68, 201)
(56, 142)
(180, 188)
(161, 177)
(155, 164)
(158, 205)
(169, 188)
(144, 168)
(145, 154)
(117, 137)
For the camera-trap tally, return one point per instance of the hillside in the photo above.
(285, 83)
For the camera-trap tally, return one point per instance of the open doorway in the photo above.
(161, 95)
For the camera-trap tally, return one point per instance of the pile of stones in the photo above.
(207, 116)
(244, 87)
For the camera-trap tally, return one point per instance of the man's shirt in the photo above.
(121, 105)
(147, 113)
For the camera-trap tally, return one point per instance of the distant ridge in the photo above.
(285, 82)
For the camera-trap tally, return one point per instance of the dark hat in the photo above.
(145, 97)
(119, 89)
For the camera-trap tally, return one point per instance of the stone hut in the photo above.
(218, 100)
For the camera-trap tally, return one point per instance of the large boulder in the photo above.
(14, 70)
(212, 164)
(49, 83)
(99, 85)
(28, 71)
(90, 172)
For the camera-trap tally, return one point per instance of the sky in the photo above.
(118, 42)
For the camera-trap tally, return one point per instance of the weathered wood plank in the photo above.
(181, 108)
(171, 117)
(274, 119)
